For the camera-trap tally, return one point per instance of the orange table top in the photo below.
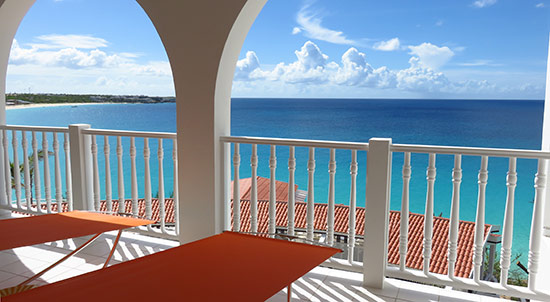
(224, 267)
(32, 230)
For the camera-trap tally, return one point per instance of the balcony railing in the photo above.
(378, 170)
(86, 182)
(84, 172)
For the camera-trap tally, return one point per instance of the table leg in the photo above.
(60, 260)
(289, 292)
(113, 249)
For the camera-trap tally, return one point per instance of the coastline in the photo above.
(39, 105)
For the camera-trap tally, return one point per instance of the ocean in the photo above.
(476, 123)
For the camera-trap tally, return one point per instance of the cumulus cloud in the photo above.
(310, 24)
(431, 56)
(540, 5)
(246, 66)
(390, 45)
(313, 71)
(66, 57)
(312, 66)
(484, 3)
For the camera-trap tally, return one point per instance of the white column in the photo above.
(375, 246)
(81, 163)
(544, 275)
(203, 40)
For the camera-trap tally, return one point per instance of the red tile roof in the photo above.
(440, 237)
(245, 184)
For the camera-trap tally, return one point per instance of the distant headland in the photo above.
(26, 99)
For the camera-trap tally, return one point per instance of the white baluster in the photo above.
(47, 184)
(479, 235)
(536, 223)
(254, 190)
(352, 204)
(176, 194)
(16, 172)
(95, 167)
(119, 153)
(108, 185)
(404, 224)
(69, 182)
(7, 171)
(455, 216)
(36, 173)
(26, 170)
(310, 215)
(291, 189)
(133, 171)
(331, 189)
(57, 175)
(162, 208)
(147, 180)
(508, 223)
(272, 190)
(428, 215)
(236, 189)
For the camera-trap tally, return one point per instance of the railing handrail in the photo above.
(294, 142)
(168, 135)
(35, 128)
(413, 148)
(475, 151)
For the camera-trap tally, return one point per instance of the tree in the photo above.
(31, 171)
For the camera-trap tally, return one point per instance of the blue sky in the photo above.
(300, 48)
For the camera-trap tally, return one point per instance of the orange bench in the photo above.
(224, 267)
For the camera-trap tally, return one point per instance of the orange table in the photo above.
(225, 267)
(32, 230)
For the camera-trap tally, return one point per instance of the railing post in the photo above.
(81, 164)
(375, 246)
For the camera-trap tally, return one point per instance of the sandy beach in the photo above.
(10, 107)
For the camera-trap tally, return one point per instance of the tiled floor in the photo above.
(321, 284)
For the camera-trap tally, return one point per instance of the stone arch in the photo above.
(202, 39)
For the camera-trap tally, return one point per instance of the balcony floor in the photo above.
(321, 284)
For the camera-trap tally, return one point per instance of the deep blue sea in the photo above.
(474, 123)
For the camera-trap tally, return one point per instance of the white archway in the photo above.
(202, 39)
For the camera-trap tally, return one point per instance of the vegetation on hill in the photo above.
(50, 98)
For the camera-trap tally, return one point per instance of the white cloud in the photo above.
(69, 41)
(296, 30)
(310, 25)
(540, 5)
(66, 57)
(484, 3)
(431, 56)
(313, 74)
(439, 23)
(51, 67)
(390, 45)
(420, 77)
(246, 66)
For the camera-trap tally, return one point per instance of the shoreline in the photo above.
(40, 105)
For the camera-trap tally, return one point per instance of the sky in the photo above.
(462, 49)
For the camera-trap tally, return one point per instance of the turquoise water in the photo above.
(479, 123)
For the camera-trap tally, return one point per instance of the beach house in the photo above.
(203, 40)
